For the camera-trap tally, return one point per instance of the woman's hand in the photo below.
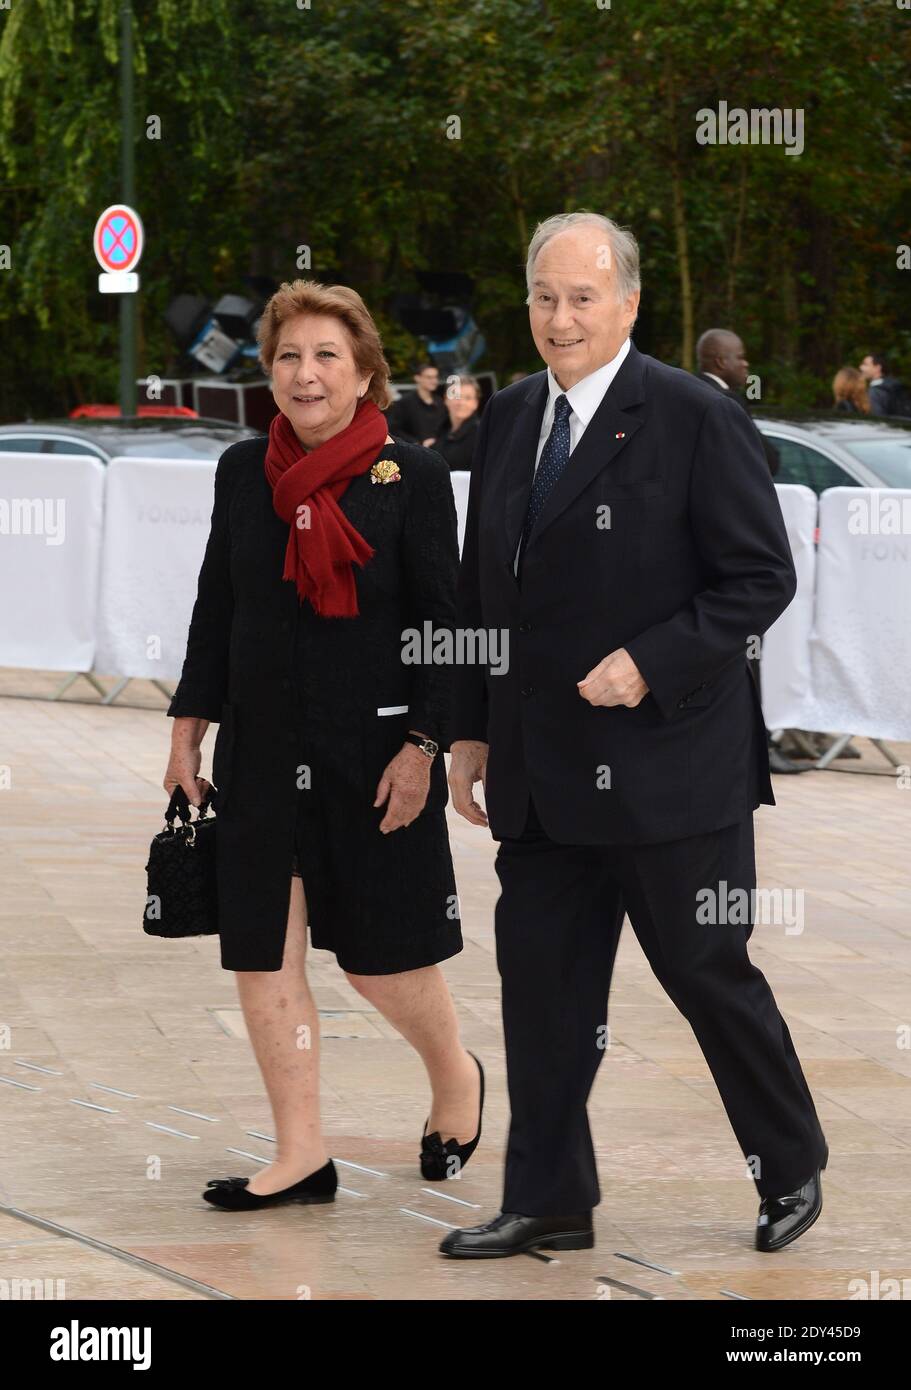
(185, 759)
(406, 782)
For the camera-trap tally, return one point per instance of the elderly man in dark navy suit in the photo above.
(624, 531)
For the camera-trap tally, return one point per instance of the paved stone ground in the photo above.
(126, 1081)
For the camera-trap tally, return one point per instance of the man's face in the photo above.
(733, 366)
(428, 380)
(870, 370)
(576, 320)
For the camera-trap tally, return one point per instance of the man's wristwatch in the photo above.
(426, 745)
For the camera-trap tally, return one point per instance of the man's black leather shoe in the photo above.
(509, 1233)
(783, 1219)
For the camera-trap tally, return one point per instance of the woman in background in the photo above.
(850, 392)
(457, 439)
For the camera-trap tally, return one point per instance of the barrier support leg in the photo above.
(70, 680)
(842, 742)
(115, 690)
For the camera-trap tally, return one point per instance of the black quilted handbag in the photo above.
(181, 899)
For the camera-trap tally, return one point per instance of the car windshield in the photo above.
(890, 459)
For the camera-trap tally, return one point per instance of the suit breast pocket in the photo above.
(617, 491)
(223, 754)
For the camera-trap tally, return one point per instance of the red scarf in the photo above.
(323, 547)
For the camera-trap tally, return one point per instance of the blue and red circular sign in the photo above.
(118, 238)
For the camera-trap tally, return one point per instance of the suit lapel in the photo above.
(519, 452)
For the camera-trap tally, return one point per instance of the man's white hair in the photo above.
(623, 247)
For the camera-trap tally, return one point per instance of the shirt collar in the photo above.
(587, 394)
(720, 381)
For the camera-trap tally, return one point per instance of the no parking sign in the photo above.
(117, 242)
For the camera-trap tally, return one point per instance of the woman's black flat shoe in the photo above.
(232, 1194)
(439, 1160)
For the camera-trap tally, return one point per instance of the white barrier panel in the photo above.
(157, 521)
(785, 676)
(51, 515)
(460, 484)
(860, 651)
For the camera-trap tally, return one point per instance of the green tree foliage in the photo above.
(400, 135)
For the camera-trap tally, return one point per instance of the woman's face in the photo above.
(315, 381)
(461, 401)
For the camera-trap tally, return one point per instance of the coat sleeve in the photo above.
(740, 534)
(470, 712)
(203, 685)
(431, 559)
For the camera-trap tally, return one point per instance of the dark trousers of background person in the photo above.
(558, 922)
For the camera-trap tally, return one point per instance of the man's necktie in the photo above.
(553, 460)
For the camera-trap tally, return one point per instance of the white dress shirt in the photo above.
(718, 379)
(584, 399)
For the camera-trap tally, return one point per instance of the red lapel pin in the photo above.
(620, 435)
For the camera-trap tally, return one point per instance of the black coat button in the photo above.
(286, 684)
(525, 627)
(528, 690)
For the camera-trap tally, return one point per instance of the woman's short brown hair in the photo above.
(297, 297)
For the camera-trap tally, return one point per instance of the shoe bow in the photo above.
(433, 1144)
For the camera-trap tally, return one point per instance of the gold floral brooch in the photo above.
(385, 471)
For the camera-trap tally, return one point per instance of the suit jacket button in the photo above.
(528, 690)
(681, 704)
(525, 627)
(286, 684)
(285, 625)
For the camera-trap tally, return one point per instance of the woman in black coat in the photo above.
(458, 438)
(331, 544)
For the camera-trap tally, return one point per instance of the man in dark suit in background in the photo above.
(723, 364)
(624, 532)
(419, 415)
(887, 394)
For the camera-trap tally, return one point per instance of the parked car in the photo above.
(826, 450)
(108, 438)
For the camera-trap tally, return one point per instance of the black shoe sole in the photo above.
(795, 1235)
(303, 1200)
(561, 1240)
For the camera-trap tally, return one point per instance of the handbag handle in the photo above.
(179, 805)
